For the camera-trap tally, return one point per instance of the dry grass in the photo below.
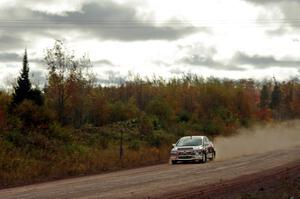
(18, 167)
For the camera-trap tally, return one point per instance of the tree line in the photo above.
(212, 106)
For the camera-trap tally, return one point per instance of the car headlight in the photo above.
(198, 152)
(173, 152)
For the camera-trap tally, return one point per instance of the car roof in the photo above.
(194, 136)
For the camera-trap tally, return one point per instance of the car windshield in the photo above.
(189, 141)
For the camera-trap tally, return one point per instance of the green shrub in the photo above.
(145, 126)
(76, 149)
(37, 140)
(134, 145)
(159, 138)
(56, 131)
(32, 115)
(184, 116)
(103, 142)
(16, 138)
(160, 109)
(178, 130)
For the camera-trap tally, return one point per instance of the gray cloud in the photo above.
(238, 61)
(11, 41)
(176, 71)
(259, 61)
(270, 1)
(10, 57)
(278, 31)
(290, 10)
(113, 21)
(199, 55)
(161, 63)
(103, 62)
(114, 78)
(15, 57)
(106, 20)
(209, 62)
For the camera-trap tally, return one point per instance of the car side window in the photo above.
(205, 141)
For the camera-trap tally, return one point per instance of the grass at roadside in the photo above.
(64, 153)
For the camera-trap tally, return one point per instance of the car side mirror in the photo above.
(173, 145)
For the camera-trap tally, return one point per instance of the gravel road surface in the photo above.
(158, 181)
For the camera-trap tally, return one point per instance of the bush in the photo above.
(134, 145)
(159, 138)
(161, 110)
(76, 149)
(103, 142)
(56, 131)
(16, 138)
(122, 111)
(179, 130)
(37, 140)
(32, 115)
(184, 116)
(145, 126)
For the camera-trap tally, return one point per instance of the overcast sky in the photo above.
(221, 38)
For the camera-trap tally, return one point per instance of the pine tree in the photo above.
(264, 97)
(275, 97)
(275, 104)
(23, 87)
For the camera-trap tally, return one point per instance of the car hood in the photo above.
(187, 148)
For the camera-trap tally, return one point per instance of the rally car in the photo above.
(192, 148)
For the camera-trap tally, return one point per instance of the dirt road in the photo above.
(160, 180)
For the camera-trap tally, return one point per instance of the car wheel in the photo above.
(204, 159)
(213, 156)
(174, 161)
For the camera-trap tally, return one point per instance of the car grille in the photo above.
(185, 157)
(185, 149)
(185, 153)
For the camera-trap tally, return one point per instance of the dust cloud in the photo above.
(259, 139)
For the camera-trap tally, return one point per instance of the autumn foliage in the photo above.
(79, 125)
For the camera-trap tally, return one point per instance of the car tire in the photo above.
(213, 156)
(205, 158)
(174, 162)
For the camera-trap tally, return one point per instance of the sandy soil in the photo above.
(165, 180)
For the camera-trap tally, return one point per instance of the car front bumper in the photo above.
(187, 157)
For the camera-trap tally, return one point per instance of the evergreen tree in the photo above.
(36, 96)
(287, 99)
(275, 97)
(264, 97)
(23, 87)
